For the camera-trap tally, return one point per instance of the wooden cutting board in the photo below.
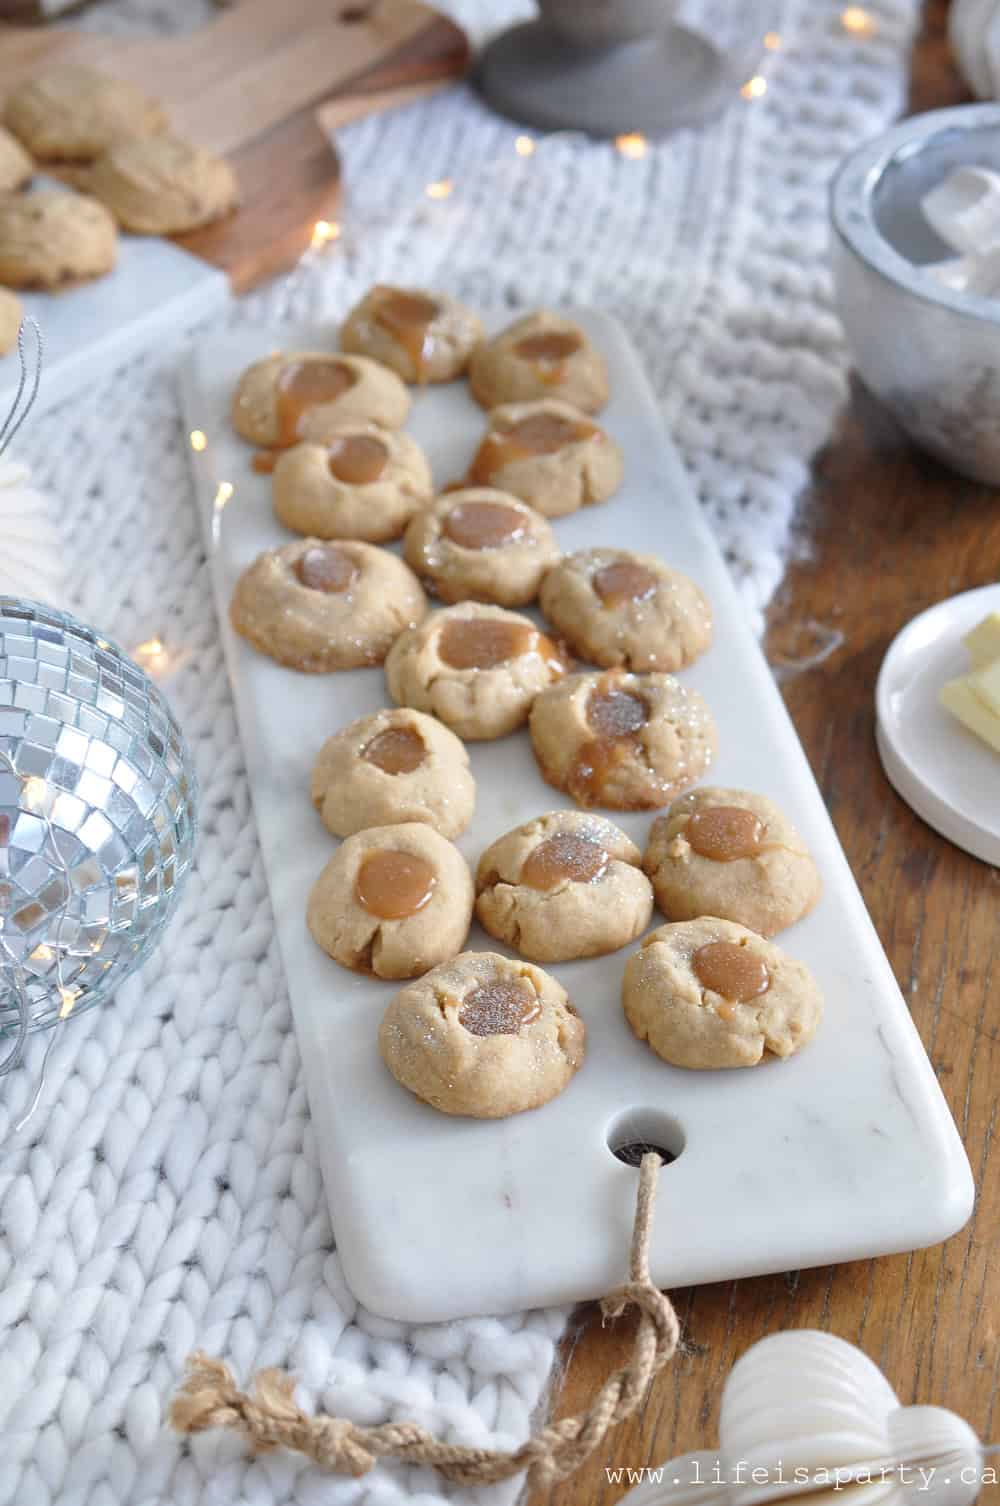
(249, 85)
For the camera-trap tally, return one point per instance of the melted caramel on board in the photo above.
(538, 434)
(407, 317)
(483, 525)
(302, 385)
(564, 856)
(725, 833)
(324, 567)
(735, 972)
(486, 642)
(397, 750)
(393, 885)
(500, 1008)
(357, 459)
(624, 580)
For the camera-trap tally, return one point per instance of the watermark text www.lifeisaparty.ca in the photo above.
(921, 1477)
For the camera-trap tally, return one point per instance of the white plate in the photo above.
(949, 776)
(846, 1151)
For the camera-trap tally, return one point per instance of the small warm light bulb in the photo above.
(198, 440)
(223, 493)
(68, 997)
(42, 953)
(631, 145)
(772, 41)
(440, 190)
(524, 146)
(857, 20)
(152, 653)
(754, 87)
(325, 231)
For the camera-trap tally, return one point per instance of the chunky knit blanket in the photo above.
(166, 1193)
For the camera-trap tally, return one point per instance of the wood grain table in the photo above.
(884, 532)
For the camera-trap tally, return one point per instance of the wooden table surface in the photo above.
(885, 532)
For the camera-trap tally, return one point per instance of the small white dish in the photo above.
(946, 774)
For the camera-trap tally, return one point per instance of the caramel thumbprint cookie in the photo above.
(422, 337)
(550, 455)
(317, 607)
(540, 356)
(477, 544)
(363, 483)
(294, 395)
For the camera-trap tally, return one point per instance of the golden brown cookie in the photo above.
(48, 238)
(732, 854)
(11, 315)
(708, 993)
(317, 606)
(363, 483)
(16, 167)
(563, 886)
(483, 1036)
(71, 113)
(423, 337)
(394, 765)
(550, 455)
(627, 742)
(542, 355)
(477, 668)
(309, 394)
(477, 544)
(161, 185)
(393, 901)
(614, 607)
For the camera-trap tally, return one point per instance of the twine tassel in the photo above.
(268, 1416)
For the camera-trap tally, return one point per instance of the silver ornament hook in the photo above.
(28, 383)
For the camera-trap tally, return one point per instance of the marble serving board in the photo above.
(844, 1152)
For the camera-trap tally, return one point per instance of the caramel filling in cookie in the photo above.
(483, 525)
(326, 568)
(407, 318)
(725, 833)
(500, 1008)
(624, 580)
(393, 885)
(732, 971)
(304, 385)
(564, 856)
(485, 643)
(549, 346)
(357, 459)
(538, 434)
(616, 716)
(397, 750)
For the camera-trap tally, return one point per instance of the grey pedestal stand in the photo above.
(656, 85)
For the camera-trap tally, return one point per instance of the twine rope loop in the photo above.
(268, 1416)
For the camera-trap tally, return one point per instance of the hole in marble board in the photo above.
(634, 1132)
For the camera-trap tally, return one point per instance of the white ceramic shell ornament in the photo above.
(813, 1415)
(31, 557)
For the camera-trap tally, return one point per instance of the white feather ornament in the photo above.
(812, 1415)
(30, 556)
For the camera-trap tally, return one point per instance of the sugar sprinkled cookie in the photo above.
(624, 741)
(540, 356)
(549, 454)
(316, 606)
(364, 482)
(613, 606)
(563, 886)
(708, 993)
(72, 113)
(479, 544)
(393, 901)
(394, 765)
(483, 1036)
(478, 668)
(423, 337)
(733, 854)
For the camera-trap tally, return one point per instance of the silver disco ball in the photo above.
(97, 816)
